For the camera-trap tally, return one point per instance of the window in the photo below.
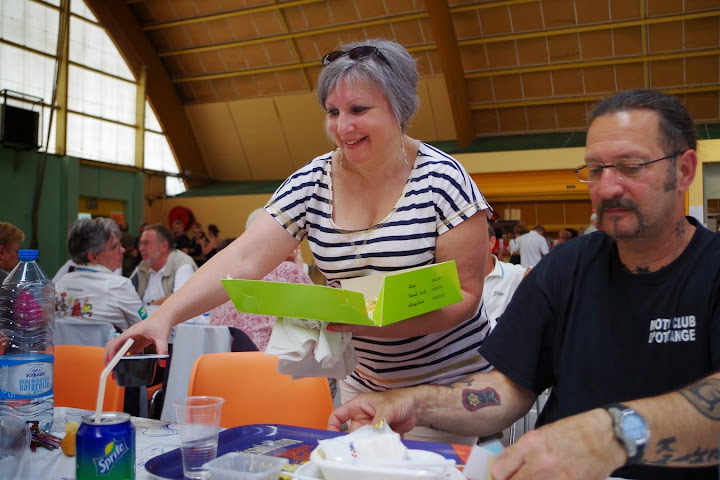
(101, 88)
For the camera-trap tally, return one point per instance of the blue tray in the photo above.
(293, 443)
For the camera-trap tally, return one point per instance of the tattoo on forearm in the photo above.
(460, 383)
(705, 397)
(474, 400)
(665, 445)
(669, 457)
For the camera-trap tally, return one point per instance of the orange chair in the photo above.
(77, 376)
(255, 392)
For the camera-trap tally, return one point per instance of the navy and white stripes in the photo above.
(438, 196)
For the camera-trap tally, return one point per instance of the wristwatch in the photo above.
(631, 430)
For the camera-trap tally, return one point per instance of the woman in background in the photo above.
(92, 291)
(211, 243)
(259, 327)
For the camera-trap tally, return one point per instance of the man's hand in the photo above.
(580, 447)
(397, 408)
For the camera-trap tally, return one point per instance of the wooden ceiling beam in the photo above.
(230, 14)
(599, 27)
(295, 35)
(449, 54)
(133, 44)
(584, 98)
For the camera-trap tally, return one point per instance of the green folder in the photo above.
(400, 295)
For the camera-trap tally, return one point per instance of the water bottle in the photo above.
(27, 322)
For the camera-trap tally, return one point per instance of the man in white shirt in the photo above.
(501, 281)
(163, 268)
(593, 224)
(533, 246)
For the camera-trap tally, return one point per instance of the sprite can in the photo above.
(105, 449)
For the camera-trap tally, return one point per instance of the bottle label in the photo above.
(26, 376)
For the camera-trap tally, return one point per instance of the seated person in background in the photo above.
(92, 291)
(628, 314)
(197, 240)
(136, 244)
(128, 242)
(70, 266)
(10, 238)
(563, 236)
(182, 241)
(163, 269)
(501, 281)
(259, 327)
(210, 244)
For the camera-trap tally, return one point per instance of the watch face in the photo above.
(634, 426)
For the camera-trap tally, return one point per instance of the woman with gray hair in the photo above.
(92, 291)
(382, 201)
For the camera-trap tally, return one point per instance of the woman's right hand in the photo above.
(146, 332)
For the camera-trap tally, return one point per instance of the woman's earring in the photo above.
(402, 145)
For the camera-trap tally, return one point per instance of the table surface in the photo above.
(158, 437)
(152, 438)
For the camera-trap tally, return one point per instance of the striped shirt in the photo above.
(438, 195)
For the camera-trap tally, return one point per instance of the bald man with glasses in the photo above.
(623, 325)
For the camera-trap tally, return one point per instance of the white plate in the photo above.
(312, 470)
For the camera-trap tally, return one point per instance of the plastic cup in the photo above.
(199, 425)
(14, 442)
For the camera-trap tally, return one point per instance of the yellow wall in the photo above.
(708, 152)
(522, 160)
(568, 158)
(228, 212)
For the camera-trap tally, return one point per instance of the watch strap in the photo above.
(635, 448)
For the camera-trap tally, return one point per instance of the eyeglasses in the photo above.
(628, 168)
(355, 54)
(113, 248)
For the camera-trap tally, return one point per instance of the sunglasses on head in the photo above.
(355, 54)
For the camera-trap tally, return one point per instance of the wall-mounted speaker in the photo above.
(19, 128)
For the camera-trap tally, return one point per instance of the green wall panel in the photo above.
(65, 180)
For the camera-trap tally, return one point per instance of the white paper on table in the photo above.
(478, 463)
(481, 458)
(366, 445)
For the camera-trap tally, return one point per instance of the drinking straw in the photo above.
(104, 375)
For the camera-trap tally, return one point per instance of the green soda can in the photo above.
(105, 449)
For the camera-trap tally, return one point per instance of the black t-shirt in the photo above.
(596, 333)
(183, 242)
